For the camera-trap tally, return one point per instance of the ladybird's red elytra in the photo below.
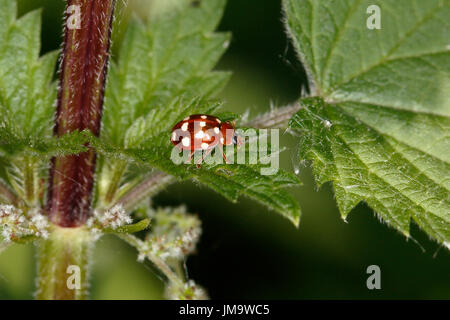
(201, 132)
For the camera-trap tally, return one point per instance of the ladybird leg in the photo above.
(205, 154)
(225, 157)
(190, 156)
(198, 164)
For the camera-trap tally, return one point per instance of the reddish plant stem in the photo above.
(80, 101)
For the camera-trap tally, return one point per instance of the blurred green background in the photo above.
(246, 251)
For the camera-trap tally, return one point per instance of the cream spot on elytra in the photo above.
(184, 127)
(205, 145)
(199, 134)
(186, 141)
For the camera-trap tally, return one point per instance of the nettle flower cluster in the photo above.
(174, 236)
(189, 291)
(19, 227)
(110, 219)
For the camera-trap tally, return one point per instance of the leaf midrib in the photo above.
(336, 39)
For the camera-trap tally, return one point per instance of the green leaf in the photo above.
(227, 116)
(230, 180)
(162, 61)
(379, 128)
(27, 92)
(163, 74)
(70, 143)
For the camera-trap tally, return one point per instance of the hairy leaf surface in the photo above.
(379, 127)
(27, 89)
(164, 74)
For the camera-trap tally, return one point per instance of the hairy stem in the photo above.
(29, 180)
(79, 107)
(276, 118)
(143, 190)
(80, 102)
(63, 264)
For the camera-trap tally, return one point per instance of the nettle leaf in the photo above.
(162, 119)
(164, 74)
(230, 180)
(162, 61)
(27, 92)
(46, 147)
(379, 128)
